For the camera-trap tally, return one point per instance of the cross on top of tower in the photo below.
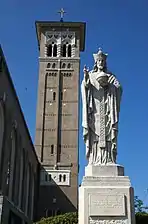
(61, 14)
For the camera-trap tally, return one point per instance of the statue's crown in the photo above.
(99, 55)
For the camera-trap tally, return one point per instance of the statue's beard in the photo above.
(101, 67)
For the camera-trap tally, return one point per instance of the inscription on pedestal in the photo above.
(106, 205)
(97, 221)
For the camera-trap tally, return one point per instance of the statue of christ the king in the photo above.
(101, 95)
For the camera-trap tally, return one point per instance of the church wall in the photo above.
(18, 154)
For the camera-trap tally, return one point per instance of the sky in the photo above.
(120, 28)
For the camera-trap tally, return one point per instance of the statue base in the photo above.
(106, 196)
(111, 170)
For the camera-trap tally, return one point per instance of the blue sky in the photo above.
(120, 28)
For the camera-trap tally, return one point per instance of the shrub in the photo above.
(72, 218)
(141, 218)
(67, 218)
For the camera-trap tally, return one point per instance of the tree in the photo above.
(138, 204)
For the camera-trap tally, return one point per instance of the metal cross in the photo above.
(61, 14)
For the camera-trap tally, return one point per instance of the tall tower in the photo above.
(57, 123)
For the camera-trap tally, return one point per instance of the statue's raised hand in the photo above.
(86, 72)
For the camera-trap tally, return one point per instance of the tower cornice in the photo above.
(80, 26)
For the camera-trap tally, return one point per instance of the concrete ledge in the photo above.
(110, 170)
(119, 181)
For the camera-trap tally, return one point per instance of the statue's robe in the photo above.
(100, 116)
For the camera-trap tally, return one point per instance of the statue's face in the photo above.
(101, 63)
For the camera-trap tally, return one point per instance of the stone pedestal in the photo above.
(106, 196)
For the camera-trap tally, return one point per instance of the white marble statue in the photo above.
(101, 94)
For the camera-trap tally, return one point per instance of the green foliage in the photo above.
(138, 204)
(67, 218)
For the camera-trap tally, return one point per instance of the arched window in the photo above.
(18, 168)
(64, 177)
(29, 191)
(21, 176)
(52, 149)
(49, 50)
(63, 65)
(69, 65)
(64, 50)
(13, 163)
(27, 186)
(54, 50)
(48, 65)
(53, 65)
(69, 50)
(32, 197)
(54, 95)
(23, 181)
(60, 177)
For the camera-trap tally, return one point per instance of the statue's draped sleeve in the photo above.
(115, 92)
(87, 108)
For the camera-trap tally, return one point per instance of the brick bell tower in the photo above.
(57, 117)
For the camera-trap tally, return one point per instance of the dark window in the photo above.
(52, 149)
(60, 177)
(69, 50)
(46, 177)
(64, 177)
(59, 154)
(64, 50)
(48, 65)
(54, 95)
(61, 95)
(69, 65)
(54, 50)
(54, 65)
(59, 149)
(49, 176)
(64, 65)
(49, 50)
